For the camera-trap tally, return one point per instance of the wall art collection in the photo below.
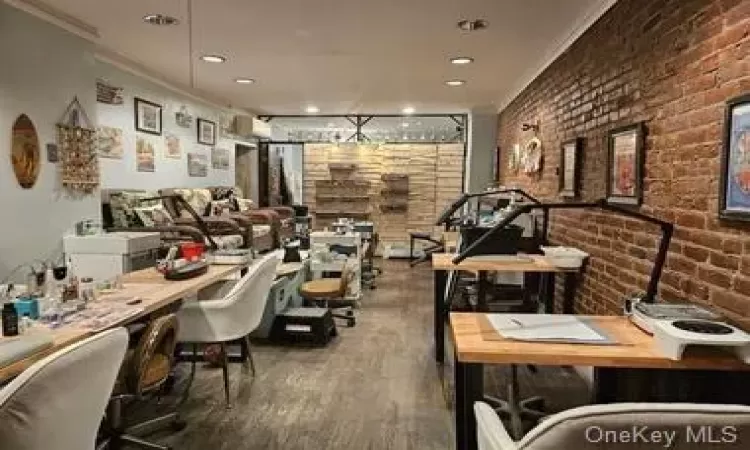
(734, 186)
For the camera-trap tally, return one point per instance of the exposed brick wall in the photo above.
(672, 64)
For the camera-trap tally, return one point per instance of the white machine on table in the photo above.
(676, 326)
(349, 239)
(105, 256)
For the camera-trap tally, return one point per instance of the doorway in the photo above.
(245, 168)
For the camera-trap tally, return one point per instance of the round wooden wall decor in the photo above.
(25, 154)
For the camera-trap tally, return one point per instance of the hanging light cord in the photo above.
(190, 43)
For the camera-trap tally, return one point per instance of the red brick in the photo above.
(676, 75)
(715, 277)
(742, 285)
(728, 300)
(698, 254)
(724, 261)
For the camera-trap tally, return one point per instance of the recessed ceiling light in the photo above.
(213, 58)
(244, 80)
(408, 110)
(405, 124)
(160, 19)
(455, 83)
(461, 60)
(473, 25)
(312, 109)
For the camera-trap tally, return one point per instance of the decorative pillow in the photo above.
(245, 204)
(123, 204)
(220, 207)
(199, 199)
(154, 216)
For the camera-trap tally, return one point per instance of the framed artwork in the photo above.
(197, 165)
(220, 158)
(25, 155)
(147, 116)
(172, 148)
(571, 154)
(625, 158)
(144, 155)
(206, 132)
(734, 187)
(109, 142)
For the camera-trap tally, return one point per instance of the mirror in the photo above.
(25, 154)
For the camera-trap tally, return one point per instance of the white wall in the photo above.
(168, 173)
(43, 69)
(482, 145)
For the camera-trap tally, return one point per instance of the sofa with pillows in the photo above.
(126, 210)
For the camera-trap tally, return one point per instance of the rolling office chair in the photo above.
(572, 429)
(369, 270)
(230, 316)
(331, 293)
(144, 373)
(59, 401)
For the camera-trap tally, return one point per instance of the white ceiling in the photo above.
(345, 56)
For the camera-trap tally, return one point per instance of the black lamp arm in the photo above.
(446, 215)
(667, 229)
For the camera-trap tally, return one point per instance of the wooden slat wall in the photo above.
(434, 170)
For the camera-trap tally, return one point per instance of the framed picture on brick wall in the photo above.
(625, 158)
(570, 168)
(734, 188)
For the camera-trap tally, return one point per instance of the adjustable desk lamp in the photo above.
(445, 216)
(666, 232)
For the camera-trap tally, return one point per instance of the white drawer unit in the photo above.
(104, 256)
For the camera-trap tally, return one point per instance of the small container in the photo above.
(10, 320)
(87, 290)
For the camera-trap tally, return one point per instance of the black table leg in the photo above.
(440, 277)
(547, 294)
(482, 305)
(469, 384)
(569, 295)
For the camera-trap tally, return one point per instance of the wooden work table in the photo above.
(150, 286)
(443, 266)
(633, 370)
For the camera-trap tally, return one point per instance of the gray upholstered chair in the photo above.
(58, 403)
(683, 426)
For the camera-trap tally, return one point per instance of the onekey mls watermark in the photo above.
(664, 438)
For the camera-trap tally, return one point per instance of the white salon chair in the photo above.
(608, 427)
(58, 403)
(231, 315)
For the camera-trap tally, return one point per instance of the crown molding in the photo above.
(87, 31)
(56, 17)
(584, 23)
(139, 70)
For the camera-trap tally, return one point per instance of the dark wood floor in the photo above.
(375, 387)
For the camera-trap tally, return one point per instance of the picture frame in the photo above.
(734, 184)
(148, 116)
(625, 162)
(569, 178)
(206, 132)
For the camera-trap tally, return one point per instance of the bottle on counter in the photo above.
(10, 320)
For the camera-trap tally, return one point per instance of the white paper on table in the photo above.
(547, 328)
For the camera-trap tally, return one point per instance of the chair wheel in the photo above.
(351, 322)
(179, 425)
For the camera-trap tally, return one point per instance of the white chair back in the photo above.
(235, 315)
(680, 426)
(58, 403)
